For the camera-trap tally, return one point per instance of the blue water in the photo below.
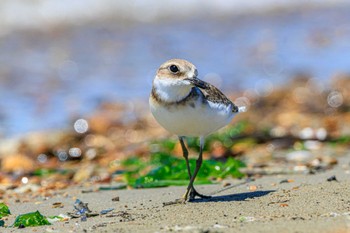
(50, 77)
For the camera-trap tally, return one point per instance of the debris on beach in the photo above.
(82, 211)
(246, 219)
(113, 187)
(57, 205)
(30, 220)
(106, 211)
(4, 210)
(116, 198)
(252, 188)
(332, 178)
(58, 218)
(286, 181)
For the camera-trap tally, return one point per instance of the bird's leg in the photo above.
(191, 193)
(185, 155)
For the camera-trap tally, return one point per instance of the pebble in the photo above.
(115, 198)
(332, 178)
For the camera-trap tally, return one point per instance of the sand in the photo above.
(306, 203)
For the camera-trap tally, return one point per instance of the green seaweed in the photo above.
(31, 220)
(43, 172)
(163, 169)
(344, 139)
(46, 172)
(4, 210)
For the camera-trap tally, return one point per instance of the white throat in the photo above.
(170, 89)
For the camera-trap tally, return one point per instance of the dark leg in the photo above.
(185, 155)
(191, 193)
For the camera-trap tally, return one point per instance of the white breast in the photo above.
(196, 120)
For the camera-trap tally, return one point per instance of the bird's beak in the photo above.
(197, 82)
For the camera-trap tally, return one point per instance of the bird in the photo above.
(187, 106)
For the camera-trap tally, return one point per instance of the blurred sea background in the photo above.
(59, 60)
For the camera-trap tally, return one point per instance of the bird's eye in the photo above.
(174, 69)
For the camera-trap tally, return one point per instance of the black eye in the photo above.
(174, 69)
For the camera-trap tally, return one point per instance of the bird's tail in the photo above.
(239, 109)
(242, 109)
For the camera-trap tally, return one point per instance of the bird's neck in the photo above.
(171, 90)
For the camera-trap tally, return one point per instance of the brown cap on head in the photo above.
(177, 68)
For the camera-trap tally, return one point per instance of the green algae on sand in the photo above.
(4, 210)
(31, 219)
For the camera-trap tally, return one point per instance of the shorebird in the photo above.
(187, 106)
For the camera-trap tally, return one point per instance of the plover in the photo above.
(187, 106)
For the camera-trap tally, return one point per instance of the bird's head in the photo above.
(175, 79)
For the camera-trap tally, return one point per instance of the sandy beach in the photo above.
(282, 203)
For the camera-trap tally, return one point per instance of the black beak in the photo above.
(198, 83)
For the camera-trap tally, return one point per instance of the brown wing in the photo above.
(213, 94)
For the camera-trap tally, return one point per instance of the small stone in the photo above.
(332, 178)
(252, 187)
(115, 198)
(57, 205)
(286, 181)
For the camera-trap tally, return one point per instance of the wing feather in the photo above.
(213, 94)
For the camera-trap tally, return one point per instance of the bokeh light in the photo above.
(321, 134)
(306, 133)
(74, 152)
(91, 153)
(42, 158)
(81, 126)
(24, 180)
(335, 99)
(62, 155)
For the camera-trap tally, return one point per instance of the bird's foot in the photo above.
(194, 194)
(188, 196)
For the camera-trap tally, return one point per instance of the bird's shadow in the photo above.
(234, 197)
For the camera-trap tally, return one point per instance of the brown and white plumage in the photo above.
(187, 106)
